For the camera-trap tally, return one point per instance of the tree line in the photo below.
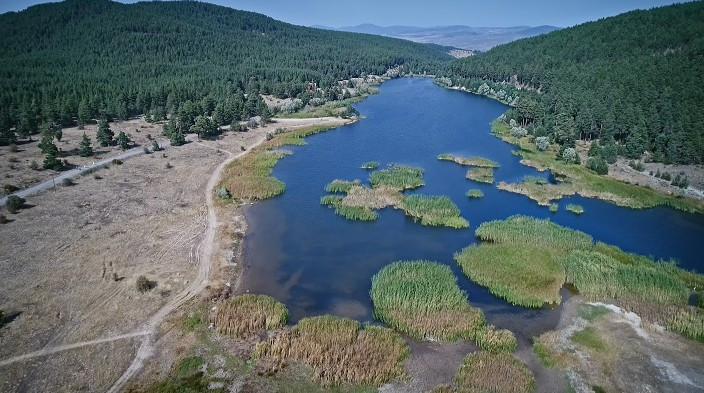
(635, 82)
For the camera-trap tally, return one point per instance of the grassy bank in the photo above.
(526, 261)
(339, 350)
(422, 299)
(249, 178)
(481, 175)
(577, 179)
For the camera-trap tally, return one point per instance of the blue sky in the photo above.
(338, 13)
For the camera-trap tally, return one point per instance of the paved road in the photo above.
(56, 181)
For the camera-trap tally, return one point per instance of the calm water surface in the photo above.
(317, 262)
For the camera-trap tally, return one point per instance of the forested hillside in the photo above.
(84, 59)
(635, 81)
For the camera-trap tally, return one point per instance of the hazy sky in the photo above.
(338, 13)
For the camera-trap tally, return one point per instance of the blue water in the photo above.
(317, 262)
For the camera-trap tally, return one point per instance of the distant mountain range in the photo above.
(464, 37)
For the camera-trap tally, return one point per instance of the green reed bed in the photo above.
(247, 315)
(434, 211)
(331, 200)
(341, 186)
(481, 175)
(469, 161)
(399, 177)
(475, 193)
(422, 299)
(339, 350)
(599, 276)
(356, 213)
(576, 209)
(537, 189)
(525, 275)
(588, 337)
(553, 207)
(485, 372)
(370, 165)
(520, 229)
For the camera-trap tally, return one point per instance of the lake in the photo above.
(316, 262)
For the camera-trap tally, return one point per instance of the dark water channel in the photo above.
(317, 262)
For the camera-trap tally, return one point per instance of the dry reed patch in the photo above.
(685, 320)
(422, 299)
(373, 198)
(469, 161)
(481, 174)
(339, 350)
(530, 276)
(485, 372)
(247, 315)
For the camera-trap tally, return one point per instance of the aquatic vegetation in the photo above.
(525, 275)
(434, 211)
(398, 177)
(492, 340)
(356, 213)
(373, 198)
(538, 190)
(687, 321)
(493, 373)
(341, 186)
(592, 312)
(249, 178)
(580, 180)
(482, 175)
(475, 193)
(599, 276)
(247, 315)
(339, 350)
(422, 299)
(520, 229)
(469, 161)
(553, 207)
(331, 200)
(370, 165)
(576, 209)
(588, 337)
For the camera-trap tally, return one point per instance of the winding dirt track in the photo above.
(199, 283)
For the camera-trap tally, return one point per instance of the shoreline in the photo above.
(691, 202)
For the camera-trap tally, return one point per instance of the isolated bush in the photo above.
(14, 203)
(34, 166)
(224, 193)
(569, 155)
(9, 189)
(144, 284)
(3, 219)
(542, 143)
(666, 176)
(598, 165)
(67, 182)
(269, 136)
(168, 165)
(13, 148)
(117, 162)
(519, 132)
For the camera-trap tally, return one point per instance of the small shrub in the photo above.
(542, 143)
(666, 176)
(269, 136)
(553, 207)
(637, 165)
(576, 209)
(13, 148)
(168, 165)
(519, 132)
(34, 166)
(9, 188)
(598, 165)
(570, 156)
(116, 162)
(67, 182)
(144, 284)
(224, 193)
(14, 204)
(3, 219)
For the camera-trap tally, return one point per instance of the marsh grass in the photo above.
(481, 175)
(587, 183)
(422, 299)
(247, 315)
(370, 165)
(398, 177)
(522, 274)
(598, 276)
(356, 213)
(492, 340)
(341, 186)
(592, 313)
(339, 350)
(487, 372)
(434, 211)
(576, 209)
(520, 229)
(469, 161)
(538, 191)
(475, 193)
(589, 338)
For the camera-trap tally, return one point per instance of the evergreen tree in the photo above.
(104, 134)
(176, 138)
(51, 160)
(85, 149)
(204, 127)
(84, 114)
(123, 140)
